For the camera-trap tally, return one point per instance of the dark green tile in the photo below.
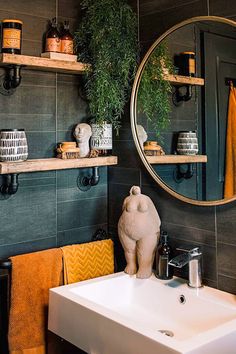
(71, 108)
(29, 99)
(75, 214)
(67, 185)
(80, 235)
(23, 215)
(29, 121)
(226, 259)
(226, 223)
(120, 175)
(227, 283)
(43, 8)
(41, 145)
(27, 247)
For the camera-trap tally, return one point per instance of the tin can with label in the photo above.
(11, 36)
(101, 138)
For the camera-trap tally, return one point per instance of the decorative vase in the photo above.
(187, 143)
(13, 145)
(101, 138)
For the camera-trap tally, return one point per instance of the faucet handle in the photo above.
(192, 250)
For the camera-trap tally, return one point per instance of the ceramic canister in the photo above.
(13, 145)
(187, 143)
(101, 138)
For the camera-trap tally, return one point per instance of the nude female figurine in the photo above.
(139, 232)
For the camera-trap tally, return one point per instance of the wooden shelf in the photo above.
(176, 159)
(184, 80)
(55, 164)
(44, 64)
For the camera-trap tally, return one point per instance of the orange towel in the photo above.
(88, 260)
(230, 154)
(32, 276)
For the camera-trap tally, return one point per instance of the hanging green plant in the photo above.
(107, 40)
(154, 91)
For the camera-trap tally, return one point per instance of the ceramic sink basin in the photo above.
(119, 314)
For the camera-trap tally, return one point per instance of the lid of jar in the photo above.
(12, 130)
(153, 143)
(187, 131)
(11, 20)
(191, 53)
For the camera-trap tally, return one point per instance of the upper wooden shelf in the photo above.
(45, 64)
(175, 159)
(184, 80)
(55, 164)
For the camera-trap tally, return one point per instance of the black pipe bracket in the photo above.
(10, 184)
(180, 173)
(11, 80)
(84, 183)
(182, 94)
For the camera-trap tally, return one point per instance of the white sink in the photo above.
(119, 314)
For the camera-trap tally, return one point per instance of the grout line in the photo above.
(216, 245)
(82, 199)
(227, 275)
(83, 227)
(226, 243)
(138, 17)
(56, 126)
(208, 7)
(28, 241)
(24, 13)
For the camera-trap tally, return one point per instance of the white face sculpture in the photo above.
(82, 132)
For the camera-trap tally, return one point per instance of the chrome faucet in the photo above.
(192, 257)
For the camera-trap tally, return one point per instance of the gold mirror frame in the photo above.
(133, 110)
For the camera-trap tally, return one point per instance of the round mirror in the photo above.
(183, 110)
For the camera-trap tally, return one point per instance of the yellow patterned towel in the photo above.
(88, 260)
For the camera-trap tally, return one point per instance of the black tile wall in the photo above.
(211, 228)
(47, 106)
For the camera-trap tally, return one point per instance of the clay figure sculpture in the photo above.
(139, 232)
(142, 135)
(82, 135)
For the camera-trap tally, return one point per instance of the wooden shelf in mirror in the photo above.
(176, 159)
(52, 164)
(44, 64)
(184, 80)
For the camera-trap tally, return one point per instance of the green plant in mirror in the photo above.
(107, 40)
(154, 91)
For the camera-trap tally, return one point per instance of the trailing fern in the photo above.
(154, 90)
(107, 40)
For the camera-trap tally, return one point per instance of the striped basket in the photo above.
(13, 145)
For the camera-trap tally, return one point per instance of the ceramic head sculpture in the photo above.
(82, 135)
(142, 135)
(139, 232)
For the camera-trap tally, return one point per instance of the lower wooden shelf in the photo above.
(164, 159)
(55, 164)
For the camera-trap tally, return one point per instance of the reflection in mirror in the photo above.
(183, 106)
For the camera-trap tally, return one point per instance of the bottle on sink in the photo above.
(163, 255)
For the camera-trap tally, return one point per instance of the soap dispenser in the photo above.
(163, 270)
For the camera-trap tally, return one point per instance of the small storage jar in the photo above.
(11, 36)
(13, 145)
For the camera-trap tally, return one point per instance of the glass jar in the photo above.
(11, 36)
